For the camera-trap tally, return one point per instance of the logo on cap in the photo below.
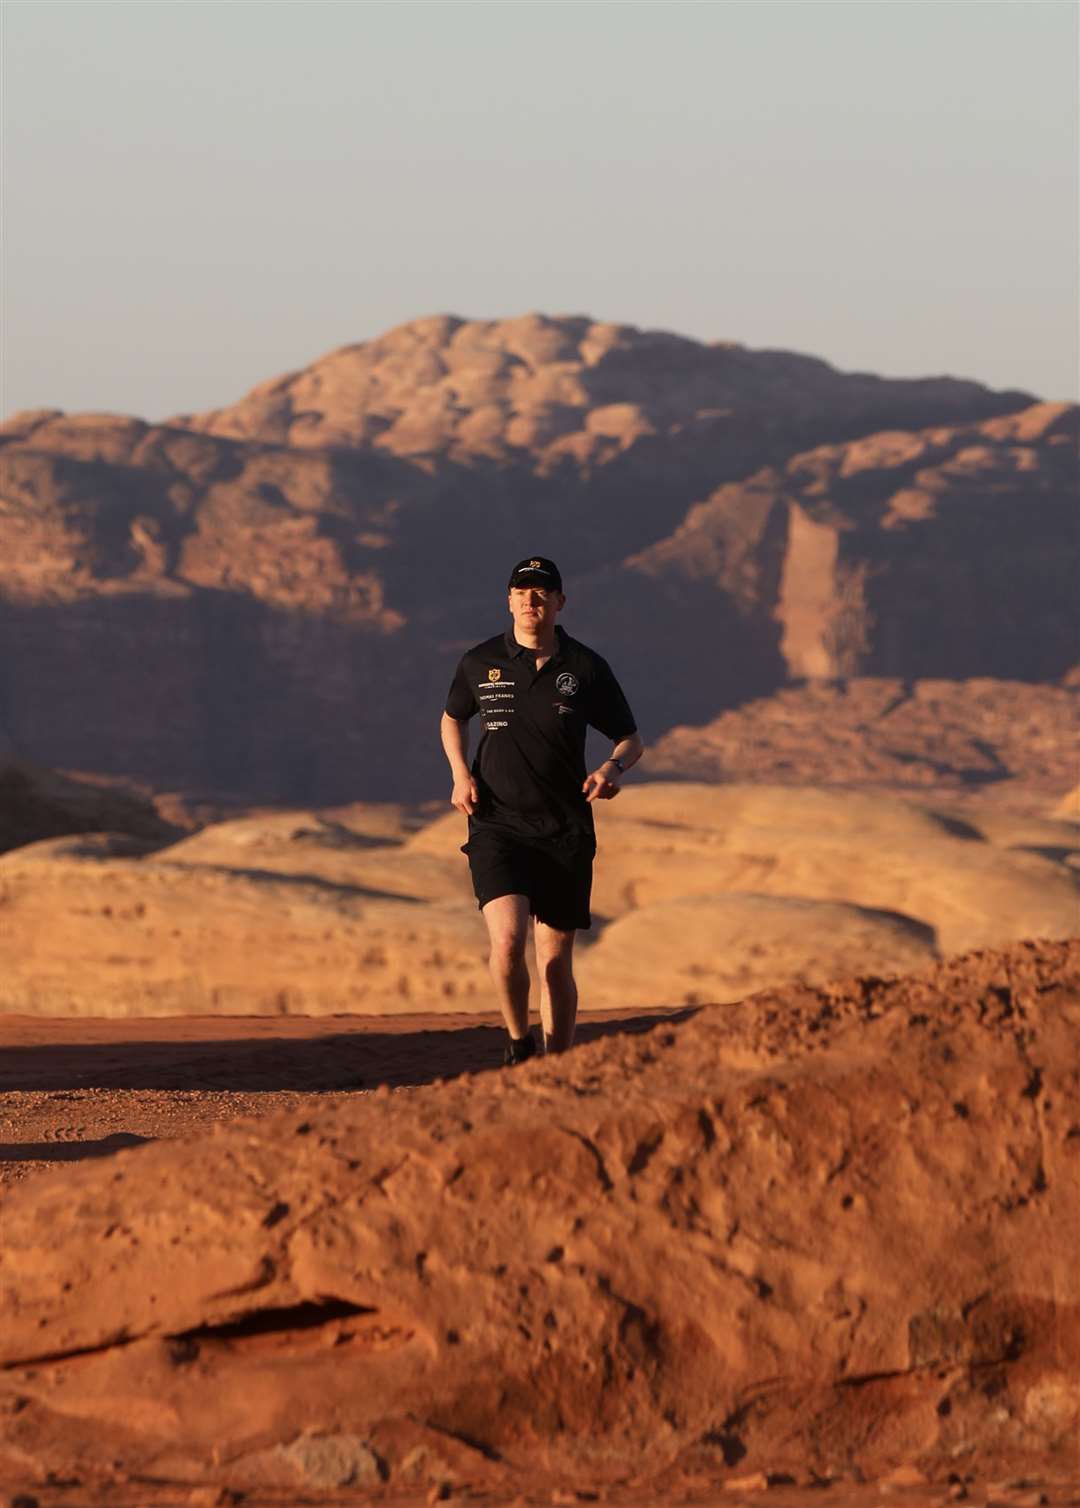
(494, 675)
(534, 565)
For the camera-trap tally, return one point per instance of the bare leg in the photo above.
(558, 990)
(507, 918)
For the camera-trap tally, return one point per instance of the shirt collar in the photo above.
(513, 648)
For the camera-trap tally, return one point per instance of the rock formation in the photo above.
(268, 600)
(943, 554)
(701, 893)
(1010, 741)
(37, 804)
(568, 391)
(824, 1230)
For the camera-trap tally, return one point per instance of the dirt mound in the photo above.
(960, 740)
(822, 1230)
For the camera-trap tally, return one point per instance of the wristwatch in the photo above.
(617, 763)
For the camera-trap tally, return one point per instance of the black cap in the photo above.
(536, 571)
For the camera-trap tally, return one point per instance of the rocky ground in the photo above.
(71, 1091)
(820, 1245)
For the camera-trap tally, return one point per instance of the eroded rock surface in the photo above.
(701, 893)
(257, 597)
(991, 742)
(825, 1229)
(38, 804)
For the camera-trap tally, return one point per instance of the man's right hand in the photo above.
(465, 795)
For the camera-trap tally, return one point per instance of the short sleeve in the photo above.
(609, 710)
(461, 699)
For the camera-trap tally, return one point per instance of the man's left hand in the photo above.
(598, 787)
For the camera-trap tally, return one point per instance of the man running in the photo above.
(528, 797)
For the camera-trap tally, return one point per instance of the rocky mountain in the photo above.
(268, 600)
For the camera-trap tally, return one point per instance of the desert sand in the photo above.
(702, 893)
(820, 1238)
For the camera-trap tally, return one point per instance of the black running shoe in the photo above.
(520, 1051)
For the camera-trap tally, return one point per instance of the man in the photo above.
(528, 797)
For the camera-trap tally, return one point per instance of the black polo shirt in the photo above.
(530, 764)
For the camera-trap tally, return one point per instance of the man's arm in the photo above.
(603, 783)
(455, 742)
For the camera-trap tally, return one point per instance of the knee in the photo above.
(507, 952)
(557, 968)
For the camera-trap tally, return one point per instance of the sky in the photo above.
(200, 195)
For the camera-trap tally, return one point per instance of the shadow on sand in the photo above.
(335, 1062)
(349, 1055)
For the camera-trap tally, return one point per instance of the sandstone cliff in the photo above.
(962, 740)
(268, 600)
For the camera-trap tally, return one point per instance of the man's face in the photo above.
(533, 608)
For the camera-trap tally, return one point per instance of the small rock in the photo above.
(756, 1482)
(903, 1476)
(422, 1465)
(22, 1500)
(439, 1493)
(334, 1461)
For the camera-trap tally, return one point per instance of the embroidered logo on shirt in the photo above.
(494, 675)
(566, 684)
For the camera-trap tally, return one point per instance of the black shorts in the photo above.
(558, 884)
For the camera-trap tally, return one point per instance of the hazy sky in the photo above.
(198, 196)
